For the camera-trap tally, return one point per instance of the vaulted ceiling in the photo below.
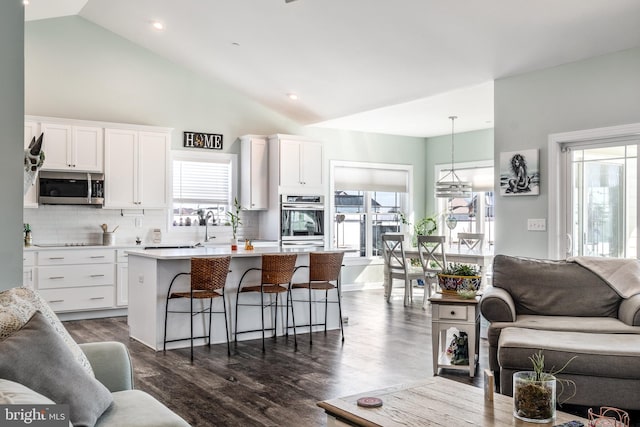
(399, 67)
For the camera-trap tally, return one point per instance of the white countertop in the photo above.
(64, 248)
(216, 251)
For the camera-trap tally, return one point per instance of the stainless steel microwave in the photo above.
(70, 188)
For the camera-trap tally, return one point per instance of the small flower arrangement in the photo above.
(234, 217)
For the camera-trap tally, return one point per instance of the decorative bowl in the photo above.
(467, 293)
(451, 284)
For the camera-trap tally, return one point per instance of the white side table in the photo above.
(454, 312)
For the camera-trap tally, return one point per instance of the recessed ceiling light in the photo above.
(158, 25)
(25, 2)
(292, 96)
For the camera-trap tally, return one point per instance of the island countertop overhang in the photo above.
(187, 253)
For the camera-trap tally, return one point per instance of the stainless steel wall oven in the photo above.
(302, 220)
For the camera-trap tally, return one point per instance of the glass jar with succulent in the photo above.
(534, 392)
(234, 221)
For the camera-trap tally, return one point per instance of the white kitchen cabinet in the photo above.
(72, 148)
(136, 169)
(254, 190)
(300, 163)
(28, 270)
(76, 279)
(31, 131)
(122, 278)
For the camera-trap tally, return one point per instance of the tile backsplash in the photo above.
(81, 224)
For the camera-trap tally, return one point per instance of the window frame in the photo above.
(201, 156)
(558, 240)
(331, 209)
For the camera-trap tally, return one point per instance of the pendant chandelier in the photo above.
(450, 185)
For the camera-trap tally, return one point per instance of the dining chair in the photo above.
(276, 274)
(208, 278)
(433, 260)
(470, 241)
(324, 275)
(397, 266)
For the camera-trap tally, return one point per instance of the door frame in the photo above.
(558, 195)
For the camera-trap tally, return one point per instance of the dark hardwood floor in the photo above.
(385, 344)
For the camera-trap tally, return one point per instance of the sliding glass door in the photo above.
(601, 207)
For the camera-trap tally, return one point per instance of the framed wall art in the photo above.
(519, 173)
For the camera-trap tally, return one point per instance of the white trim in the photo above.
(557, 193)
(205, 156)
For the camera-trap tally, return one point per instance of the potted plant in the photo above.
(534, 392)
(459, 278)
(234, 220)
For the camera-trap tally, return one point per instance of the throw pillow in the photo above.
(36, 357)
(17, 305)
(12, 393)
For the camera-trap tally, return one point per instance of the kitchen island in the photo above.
(151, 271)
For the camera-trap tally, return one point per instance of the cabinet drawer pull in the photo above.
(56, 277)
(97, 256)
(97, 275)
(453, 313)
(56, 257)
(96, 298)
(56, 300)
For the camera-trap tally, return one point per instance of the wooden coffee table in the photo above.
(436, 401)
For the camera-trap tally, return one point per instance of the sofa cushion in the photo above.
(37, 357)
(595, 325)
(603, 355)
(554, 288)
(137, 408)
(13, 393)
(17, 306)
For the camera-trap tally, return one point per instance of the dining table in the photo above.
(482, 257)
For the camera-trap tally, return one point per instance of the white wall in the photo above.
(11, 141)
(597, 92)
(469, 146)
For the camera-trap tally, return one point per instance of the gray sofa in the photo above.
(112, 366)
(565, 310)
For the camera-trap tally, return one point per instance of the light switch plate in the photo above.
(539, 224)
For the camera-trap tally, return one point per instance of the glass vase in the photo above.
(534, 401)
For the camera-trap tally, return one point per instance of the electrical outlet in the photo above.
(537, 224)
(138, 222)
(140, 278)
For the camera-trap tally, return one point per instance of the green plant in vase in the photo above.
(534, 392)
(234, 221)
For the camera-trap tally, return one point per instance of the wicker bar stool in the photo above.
(208, 278)
(324, 275)
(277, 272)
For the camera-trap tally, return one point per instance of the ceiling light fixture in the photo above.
(158, 25)
(450, 185)
(292, 96)
(25, 2)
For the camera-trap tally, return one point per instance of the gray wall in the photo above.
(79, 70)
(11, 141)
(469, 146)
(597, 92)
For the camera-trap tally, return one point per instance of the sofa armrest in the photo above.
(629, 311)
(111, 364)
(496, 305)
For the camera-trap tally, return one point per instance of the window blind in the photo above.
(195, 182)
(371, 179)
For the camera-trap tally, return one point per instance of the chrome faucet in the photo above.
(206, 225)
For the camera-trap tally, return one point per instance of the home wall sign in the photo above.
(211, 141)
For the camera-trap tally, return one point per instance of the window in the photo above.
(469, 215)
(203, 187)
(593, 210)
(368, 201)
